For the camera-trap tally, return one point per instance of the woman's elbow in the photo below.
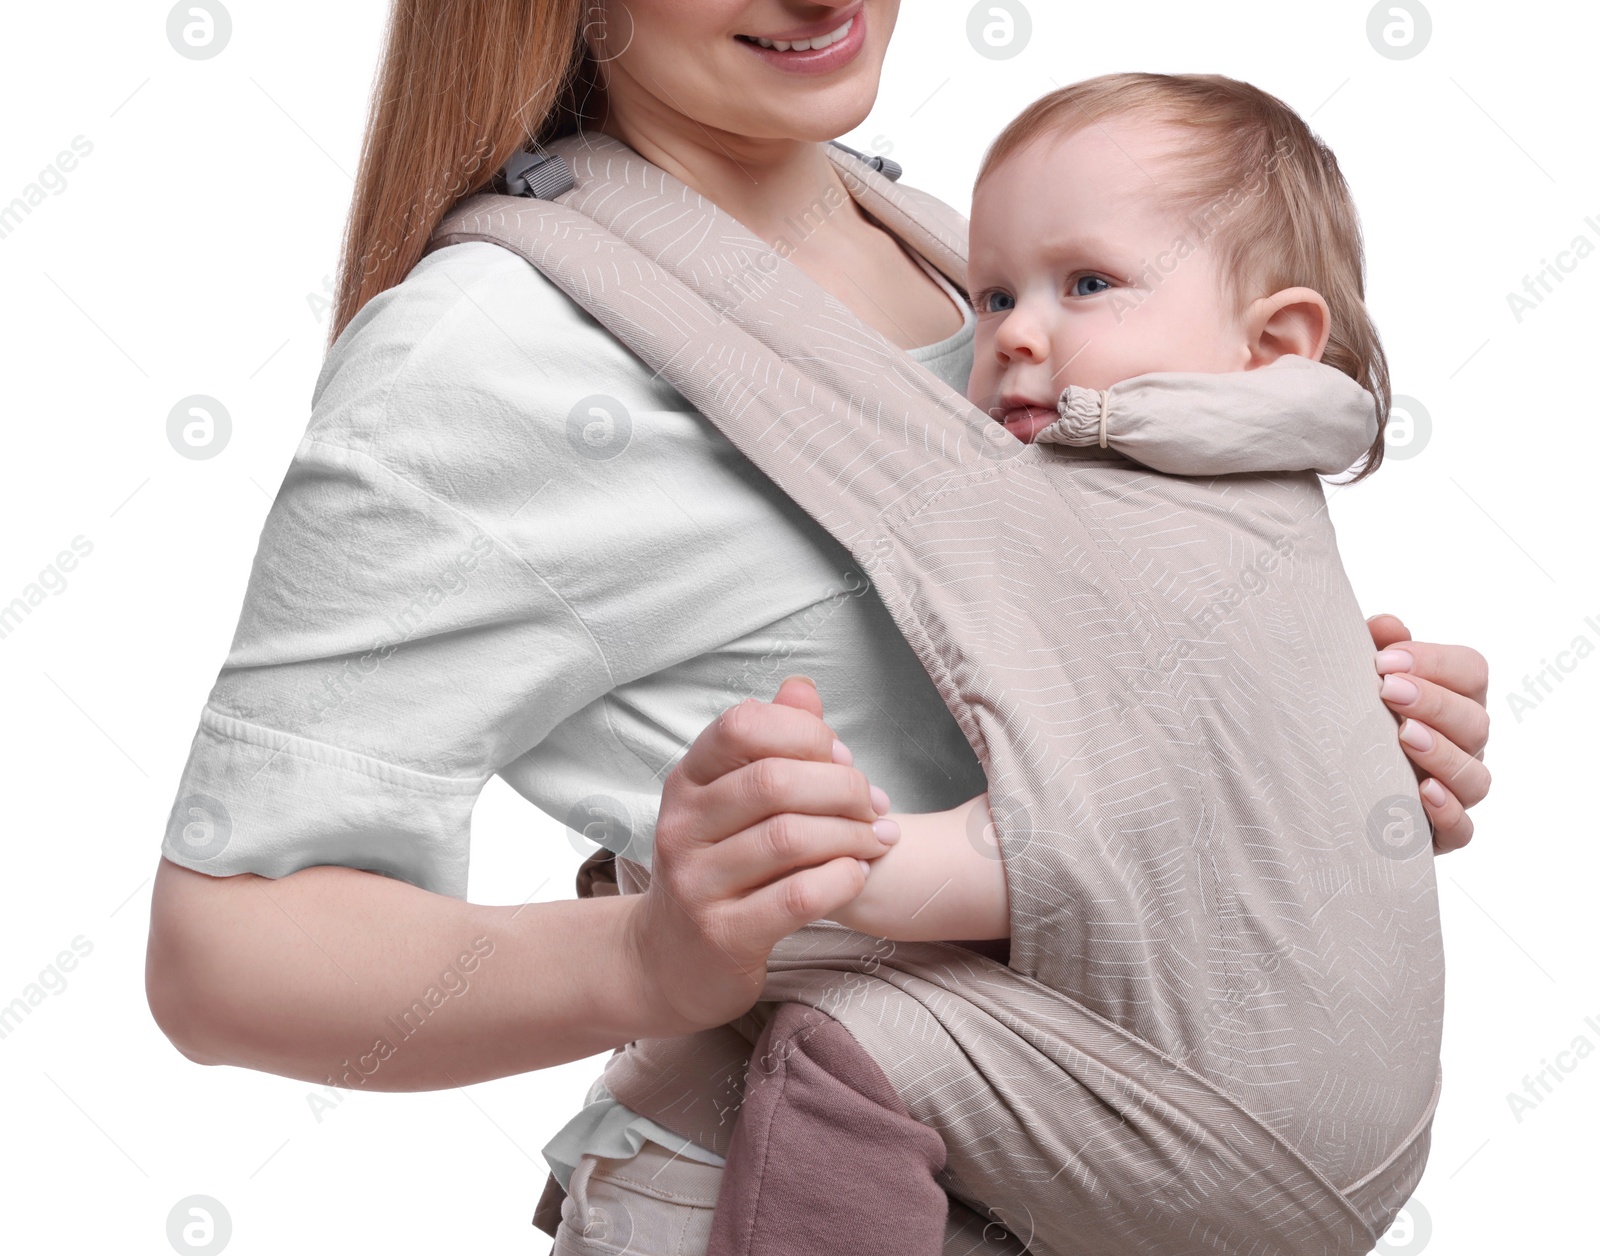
(177, 974)
(176, 1015)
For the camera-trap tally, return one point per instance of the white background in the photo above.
(182, 257)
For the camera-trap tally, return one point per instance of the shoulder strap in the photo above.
(931, 227)
(838, 417)
(939, 232)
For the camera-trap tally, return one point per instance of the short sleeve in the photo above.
(447, 572)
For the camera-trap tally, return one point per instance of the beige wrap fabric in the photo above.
(1219, 1028)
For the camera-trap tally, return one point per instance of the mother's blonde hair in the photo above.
(463, 85)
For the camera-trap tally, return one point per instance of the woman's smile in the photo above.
(817, 48)
(804, 45)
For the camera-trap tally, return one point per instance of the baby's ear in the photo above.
(1293, 320)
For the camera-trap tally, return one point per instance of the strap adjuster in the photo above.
(890, 170)
(541, 175)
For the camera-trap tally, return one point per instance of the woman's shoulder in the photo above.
(474, 360)
(458, 309)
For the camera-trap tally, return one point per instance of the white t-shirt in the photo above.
(608, 1128)
(504, 546)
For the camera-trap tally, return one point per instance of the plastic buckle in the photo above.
(541, 175)
(890, 170)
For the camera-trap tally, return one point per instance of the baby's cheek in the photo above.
(1106, 360)
(981, 380)
(1147, 340)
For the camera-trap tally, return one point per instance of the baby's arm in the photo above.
(1291, 415)
(941, 881)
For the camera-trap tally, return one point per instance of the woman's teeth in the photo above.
(804, 45)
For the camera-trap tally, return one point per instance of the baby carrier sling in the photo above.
(1218, 1028)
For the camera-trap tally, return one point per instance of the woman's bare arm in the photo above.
(334, 973)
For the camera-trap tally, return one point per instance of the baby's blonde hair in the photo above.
(1283, 213)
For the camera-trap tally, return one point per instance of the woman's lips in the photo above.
(840, 52)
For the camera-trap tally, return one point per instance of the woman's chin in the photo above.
(813, 115)
(805, 106)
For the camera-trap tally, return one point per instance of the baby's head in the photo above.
(1147, 222)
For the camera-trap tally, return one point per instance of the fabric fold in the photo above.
(1290, 415)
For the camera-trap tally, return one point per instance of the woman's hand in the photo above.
(763, 828)
(1441, 694)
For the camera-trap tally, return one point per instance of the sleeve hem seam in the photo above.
(296, 746)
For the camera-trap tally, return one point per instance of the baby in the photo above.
(1128, 225)
(1114, 234)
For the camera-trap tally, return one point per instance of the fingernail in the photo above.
(1416, 735)
(1393, 660)
(798, 676)
(880, 801)
(886, 831)
(1433, 792)
(865, 866)
(841, 753)
(1401, 689)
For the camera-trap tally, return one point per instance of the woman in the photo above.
(504, 547)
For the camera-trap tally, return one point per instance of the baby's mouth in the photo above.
(1025, 420)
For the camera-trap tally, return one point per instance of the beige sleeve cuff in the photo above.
(1292, 415)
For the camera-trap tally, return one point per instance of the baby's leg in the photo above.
(824, 1156)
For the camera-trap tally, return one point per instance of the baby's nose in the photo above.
(1020, 337)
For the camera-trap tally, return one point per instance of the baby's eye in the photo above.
(994, 301)
(1088, 285)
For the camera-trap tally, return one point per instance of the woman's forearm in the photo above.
(942, 880)
(333, 974)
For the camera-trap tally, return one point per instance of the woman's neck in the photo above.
(775, 188)
(766, 184)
